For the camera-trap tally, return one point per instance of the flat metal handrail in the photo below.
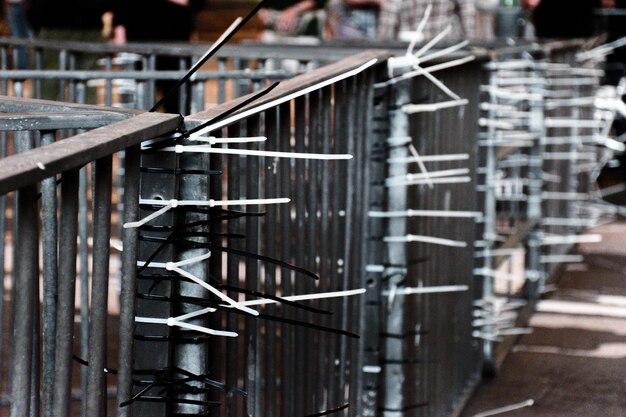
(30, 167)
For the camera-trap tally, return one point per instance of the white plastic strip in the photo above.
(425, 213)
(420, 164)
(169, 204)
(423, 108)
(420, 29)
(570, 240)
(174, 322)
(429, 290)
(212, 140)
(305, 297)
(249, 152)
(508, 408)
(561, 259)
(443, 52)
(431, 158)
(427, 176)
(425, 239)
(285, 99)
(446, 180)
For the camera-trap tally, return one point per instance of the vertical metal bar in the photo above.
(350, 193)
(311, 249)
(233, 352)
(3, 238)
(285, 175)
(150, 85)
(394, 378)
(129, 280)
(108, 82)
(489, 225)
(536, 279)
(68, 223)
(50, 277)
(221, 83)
(301, 286)
(38, 65)
(253, 363)
(4, 64)
(83, 237)
(96, 376)
(324, 361)
(270, 233)
(26, 275)
(192, 357)
(35, 378)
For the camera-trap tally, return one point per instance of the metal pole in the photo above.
(129, 281)
(50, 277)
(66, 294)
(96, 376)
(393, 373)
(26, 275)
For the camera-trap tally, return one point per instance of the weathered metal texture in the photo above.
(25, 168)
(444, 359)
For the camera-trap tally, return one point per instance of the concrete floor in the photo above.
(574, 362)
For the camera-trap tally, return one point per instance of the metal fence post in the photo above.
(396, 255)
(534, 274)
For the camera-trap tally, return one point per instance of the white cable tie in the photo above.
(431, 158)
(565, 122)
(195, 314)
(570, 239)
(212, 140)
(193, 260)
(566, 221)
(420, 29)
(284, 99)
(167, 206)
(561, 259)
(172, 321)
(430, 290)
(420, 164)
(170, 266)
(445, 180)
(410, 61)
(425, 239)
(249, 152)
(206, 330)
(428, 176)
(443, 52)
(564, 196)
(434, 41)
(425, 213)
(501, 410)
(173, 203)
(304, 297)
(438, 83)
(219, 203)
(601, 51)
(421, 108)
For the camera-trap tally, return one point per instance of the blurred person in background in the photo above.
(352, 19)
(292, 18)
(159, 21)
(67, 20)
(563, 18)
(399, 19)
(20, 27)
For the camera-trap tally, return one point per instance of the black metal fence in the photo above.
(211, 248)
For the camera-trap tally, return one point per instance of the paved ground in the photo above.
(574, 362)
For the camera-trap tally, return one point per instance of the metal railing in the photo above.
(204, 243)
